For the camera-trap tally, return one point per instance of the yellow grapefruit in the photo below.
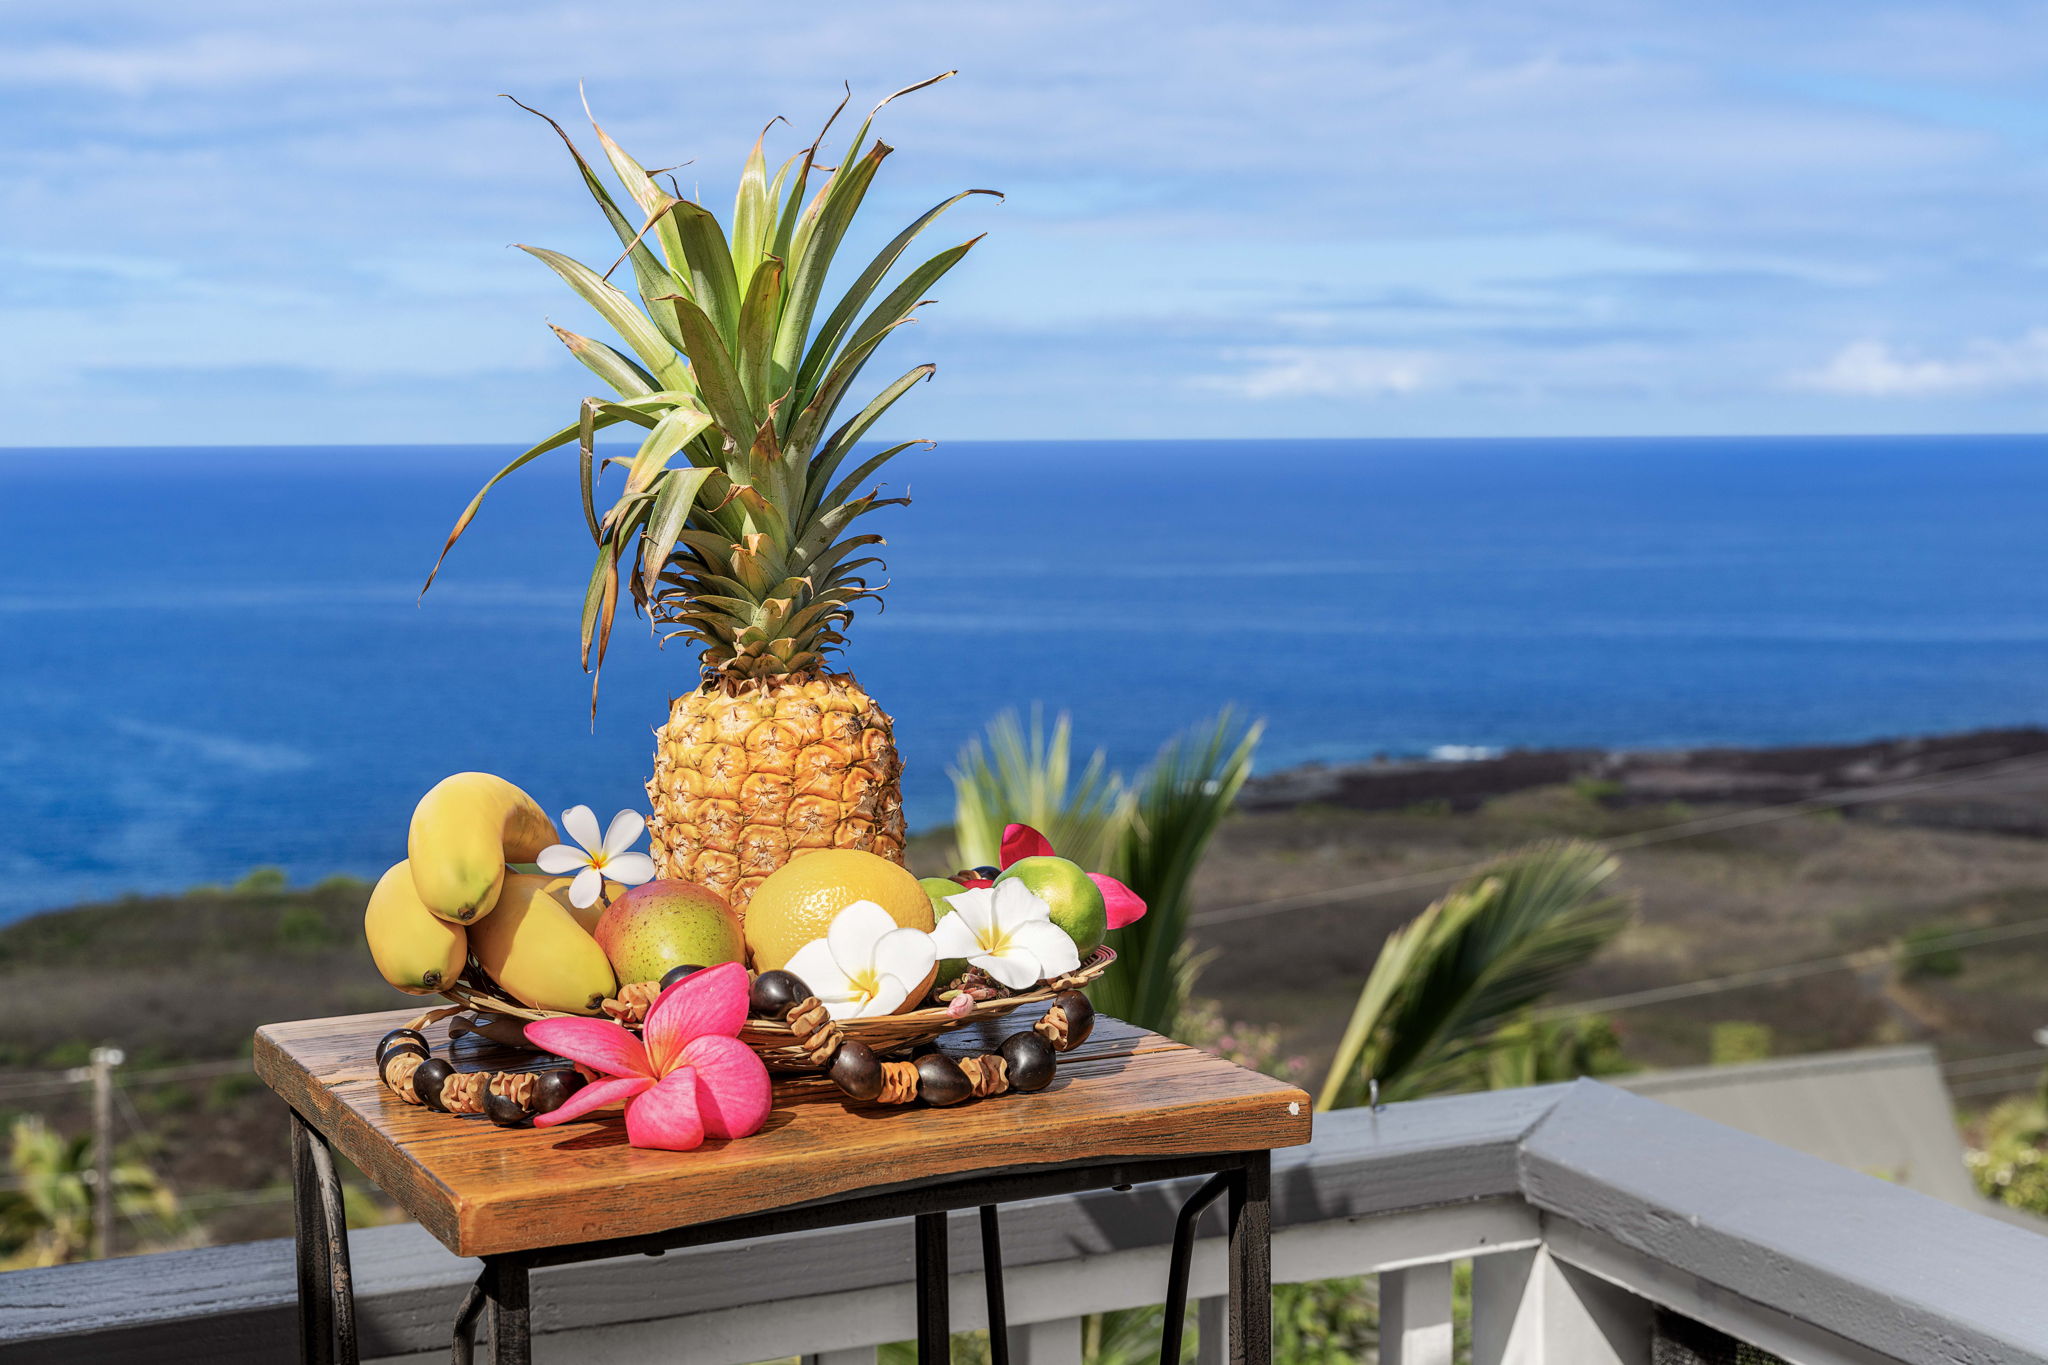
(795, 903)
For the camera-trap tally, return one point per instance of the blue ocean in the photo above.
(216, 659)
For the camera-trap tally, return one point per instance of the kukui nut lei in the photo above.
(509, 1099)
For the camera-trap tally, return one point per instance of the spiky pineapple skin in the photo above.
(749, 773)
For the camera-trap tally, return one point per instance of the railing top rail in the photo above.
(1901, 1273)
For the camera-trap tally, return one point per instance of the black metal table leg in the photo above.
(327, 1312)
(934, 1315)
(316, 1310)
(1251, 1262)
(1177, 1268)
(463, 1352)
(992, 1281)
(504, 1285)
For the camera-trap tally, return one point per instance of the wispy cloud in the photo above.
(1325, 372)
(1986, 365)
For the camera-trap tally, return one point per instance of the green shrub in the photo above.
(262, 881)
(2012, 1166)
(1923, 953)
(303, 929)
(1734, 1041)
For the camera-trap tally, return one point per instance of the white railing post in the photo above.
(1530, 1309)
(1212, 1331)
(1415, 1315)
(1047, 1343)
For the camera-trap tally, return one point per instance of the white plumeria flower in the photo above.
(866, 964)
(601, 858)
(1007, 931)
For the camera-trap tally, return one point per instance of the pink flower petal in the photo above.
(1122, 903)
(1022, 841)
(596, 1043)
(711, 1003)
(666, 1118)
(596, 1095)
(733, 1091)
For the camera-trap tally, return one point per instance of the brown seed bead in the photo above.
(774, 994)
(553, 1089)
(506, 1112)
(856, 1070)
(941, 1082)
(428, 1080)
(1031, 1061)
(1068, 1022)
(409, 1036)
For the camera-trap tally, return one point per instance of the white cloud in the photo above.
(1873, 369)
(207, 62)
(1326, 372)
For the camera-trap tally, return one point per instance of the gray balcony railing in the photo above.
(1596, 1223)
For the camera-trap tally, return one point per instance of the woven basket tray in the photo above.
(893, 1033)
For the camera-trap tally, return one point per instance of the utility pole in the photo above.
(104, 1060)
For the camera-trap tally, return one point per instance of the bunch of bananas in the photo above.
(456, 906)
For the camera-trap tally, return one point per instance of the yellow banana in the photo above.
(414, 950)
(463, 833)
(532, 946)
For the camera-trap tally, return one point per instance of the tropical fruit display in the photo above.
(845, 965)
(739, 523)
(772, 901)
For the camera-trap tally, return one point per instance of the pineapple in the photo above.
(734, 526)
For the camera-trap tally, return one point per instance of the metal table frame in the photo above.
(327, 1328)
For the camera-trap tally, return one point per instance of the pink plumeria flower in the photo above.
(688, 1077)
(1124, 905)
(601, 858)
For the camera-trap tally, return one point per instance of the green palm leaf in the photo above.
(1180, 801)
(1447, 980)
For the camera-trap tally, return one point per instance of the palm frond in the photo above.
(1450, 978)
(1180, 801)
(1015, 776)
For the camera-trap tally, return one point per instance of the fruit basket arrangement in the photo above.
(772, 911)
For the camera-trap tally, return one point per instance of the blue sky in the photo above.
(238, 221)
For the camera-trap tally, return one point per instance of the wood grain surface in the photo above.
(483, 1190)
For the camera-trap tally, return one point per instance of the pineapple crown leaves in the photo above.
(732, 527)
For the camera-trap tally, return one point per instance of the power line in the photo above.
(1705, 825)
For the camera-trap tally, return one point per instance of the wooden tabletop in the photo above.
(484, 1190)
